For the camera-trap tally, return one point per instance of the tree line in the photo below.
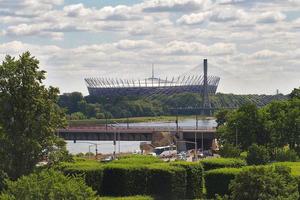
(79, 107)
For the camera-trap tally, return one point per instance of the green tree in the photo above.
(222, 117)
(257, 155)
(29, 115)
(264, 183)
(48, 185)
(295, 93)
(229, 151)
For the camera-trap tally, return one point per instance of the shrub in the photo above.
(257, 155)
(194, 179)
(124, 180)
(217, 181)
(166, 182)
(286, 155)
(3, 177)
(214, 163)
(138, 159)
(47, 184)
(264, 183)
(92, 172)
(229, 151)
(126, 198)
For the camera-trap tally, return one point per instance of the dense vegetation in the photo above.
(79, 107)
(141, 175)
(29, 116)
(47, 184)
(275, 126)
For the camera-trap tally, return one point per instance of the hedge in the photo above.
(138, 159)
(217, 181)
(126, 198)
(3, 176)
(92, 171)
(215, 163)
(194, 179)
(118, 179)
(166, 182)
(124, 180)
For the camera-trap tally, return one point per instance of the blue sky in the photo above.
(253, 45)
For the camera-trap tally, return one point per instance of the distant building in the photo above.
(109, 87)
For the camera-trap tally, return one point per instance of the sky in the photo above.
(252, 45)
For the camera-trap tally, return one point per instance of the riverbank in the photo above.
(94, 122)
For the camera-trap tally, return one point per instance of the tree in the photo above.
(48, 184)
(29, 115)
(257, 155)
(221, 117)
(295, 93)
(264, 183)
(229, 151)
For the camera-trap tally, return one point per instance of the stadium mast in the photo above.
(206, 103)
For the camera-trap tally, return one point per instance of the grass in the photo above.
(130, 120)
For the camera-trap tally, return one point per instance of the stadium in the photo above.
(109, 87)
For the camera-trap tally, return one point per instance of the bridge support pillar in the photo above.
(181, 145)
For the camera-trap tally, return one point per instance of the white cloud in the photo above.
(175, 5)
(194, 18)
(271, 17)
(266, 54)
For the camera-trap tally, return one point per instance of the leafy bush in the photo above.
(138, 159)
(264, 183)
(214, 163)
(124, 180)
(126, 198)
(92, 172)
(257, 155)
(166, 182)
(229, 151)
(47, 184)
(217, 181)
(286, 155)
(3, 177)
(194, 179)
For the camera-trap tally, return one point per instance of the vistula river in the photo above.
(131, 146)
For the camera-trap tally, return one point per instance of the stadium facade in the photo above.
(108, 87)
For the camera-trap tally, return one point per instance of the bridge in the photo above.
(203, 135)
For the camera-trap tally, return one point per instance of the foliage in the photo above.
(286, 155)
(138, 197)
(134, 106)
(229, 151)
(264, 183)
(138, 159)
(48, 184)
(194, 179)
(3, 177)
(217, 181)
(257, 155)
(275, 125)
(29, 115)
(214, 163)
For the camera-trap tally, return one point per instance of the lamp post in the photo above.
(91, 144)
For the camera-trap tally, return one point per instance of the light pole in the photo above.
(91, 143)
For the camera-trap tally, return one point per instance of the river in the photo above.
(130, 146)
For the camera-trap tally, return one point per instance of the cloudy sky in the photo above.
(253, 45)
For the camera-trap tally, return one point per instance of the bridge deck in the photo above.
(136, 133)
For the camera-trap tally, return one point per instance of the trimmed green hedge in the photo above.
(124, 180)
(215, 163)
(138, 159)
(3, 176)
(92, 172)
(217, 181)
(194, 178)
(166, 182)
(126, 198)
